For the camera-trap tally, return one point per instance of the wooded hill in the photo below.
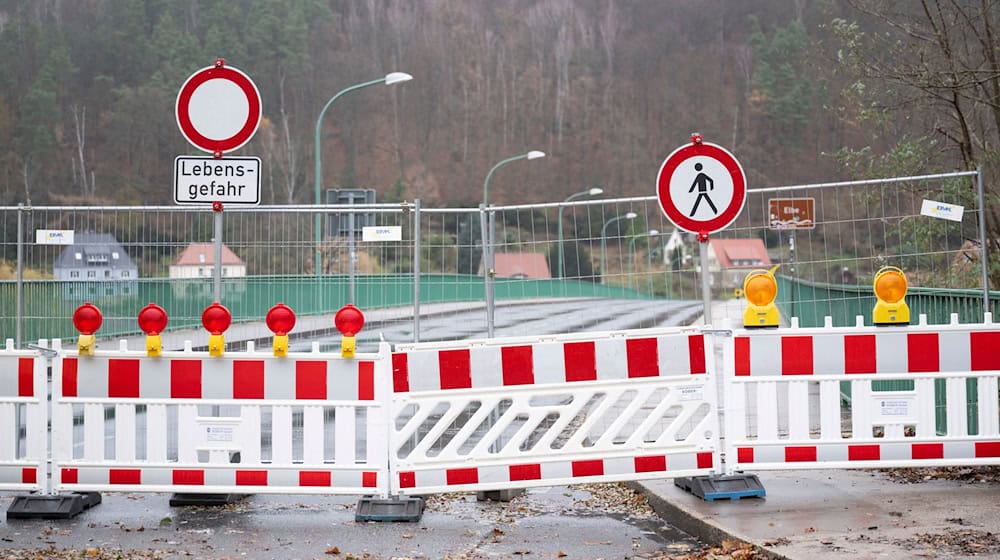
(800, 90)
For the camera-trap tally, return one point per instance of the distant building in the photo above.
(676, 254)
(196, 265)
(729, 260)
(525, 266)
(96, 265)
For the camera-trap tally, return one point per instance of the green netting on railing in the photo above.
(812, 301)
(49, 304)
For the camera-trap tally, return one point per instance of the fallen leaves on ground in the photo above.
(53, 553)
(962, 474)
(614, 497)
(729, 550)
(964, 541)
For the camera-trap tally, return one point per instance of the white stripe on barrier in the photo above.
(23, 411)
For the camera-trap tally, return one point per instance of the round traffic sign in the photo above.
(218, 109)
(701, 188)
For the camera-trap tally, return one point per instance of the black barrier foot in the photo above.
(205, 499)
(395, 508)
(499, 495)
(62, 506)
(733, 487)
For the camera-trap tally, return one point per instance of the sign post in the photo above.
(791, 214)
(701, 188)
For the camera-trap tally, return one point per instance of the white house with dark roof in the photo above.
(197, 260)
(99, 264)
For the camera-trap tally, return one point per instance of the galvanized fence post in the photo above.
(983, 260)
(416, 270)
(217, 272)
(19, 296)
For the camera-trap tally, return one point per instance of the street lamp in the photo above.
(533, 154)
(389, 79)
(592, 192)
(628, 216)
(631, 249)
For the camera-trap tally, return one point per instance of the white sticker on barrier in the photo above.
(692, 393)
(896, 409)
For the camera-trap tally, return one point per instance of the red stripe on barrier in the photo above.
(742, 347)
(984, 346)
(593, 467)
(70, 476)
(927, 451)
(248, 379)
(185, 379)
(400, 373)
(580, 359)
(525, 472)
(369, 480)
(642, 357)
(124, 476)
(407, 479)
(796, 355)
(366, 381)
(251, 478)
(705, 460)
(123, 378)
(517, 364)
(859, 353)
(29, 475)
(651, 463)
(69, 377)
(696, 353)
(314, 478)
(806, 453)
(922, 352)
(744, 455)
(864, 452)
(25, 377)
(988, 449)
(310, 380)
(454, 370)
(462, 476)
(189, 477)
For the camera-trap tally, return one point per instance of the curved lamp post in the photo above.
(631, 249)
(592, 192)
(533, 154)
(389, 79)
(604, 230)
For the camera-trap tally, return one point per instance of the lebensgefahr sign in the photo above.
(204, 180)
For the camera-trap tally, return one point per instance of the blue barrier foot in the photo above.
(394, 508)
(733, 487)
(62, 506)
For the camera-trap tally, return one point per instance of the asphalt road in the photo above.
(593, 521)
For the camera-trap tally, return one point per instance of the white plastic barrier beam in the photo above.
(511, 413)
(816, 398)
(23, 419)
(247, 422)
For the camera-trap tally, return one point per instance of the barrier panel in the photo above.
(246, 422)
(23, 418)
(786, 406)
(512, 413)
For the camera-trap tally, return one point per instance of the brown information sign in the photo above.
(791, 213)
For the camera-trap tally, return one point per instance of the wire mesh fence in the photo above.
(122, 258)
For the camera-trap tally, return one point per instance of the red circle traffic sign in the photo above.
(218, 109)
(701, 188)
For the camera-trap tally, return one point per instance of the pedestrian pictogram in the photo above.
(701, 187)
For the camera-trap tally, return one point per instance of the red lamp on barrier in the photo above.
(349, 321)
(153, 321)
(87, 319)
(216, 319)
(280, 319)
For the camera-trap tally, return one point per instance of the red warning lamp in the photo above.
(216, 319)
(87, 319)
(349, 321)
(280, 319)
(153, 321)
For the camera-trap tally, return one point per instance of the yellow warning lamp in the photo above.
(216, 319)
(152, 321)
(760, 289)
(890, 291)
(280, 319)
(87, 319)
(349, 321)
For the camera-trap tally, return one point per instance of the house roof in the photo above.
(201, 254)
(740, 253)
(522, 265)
(99, 250)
